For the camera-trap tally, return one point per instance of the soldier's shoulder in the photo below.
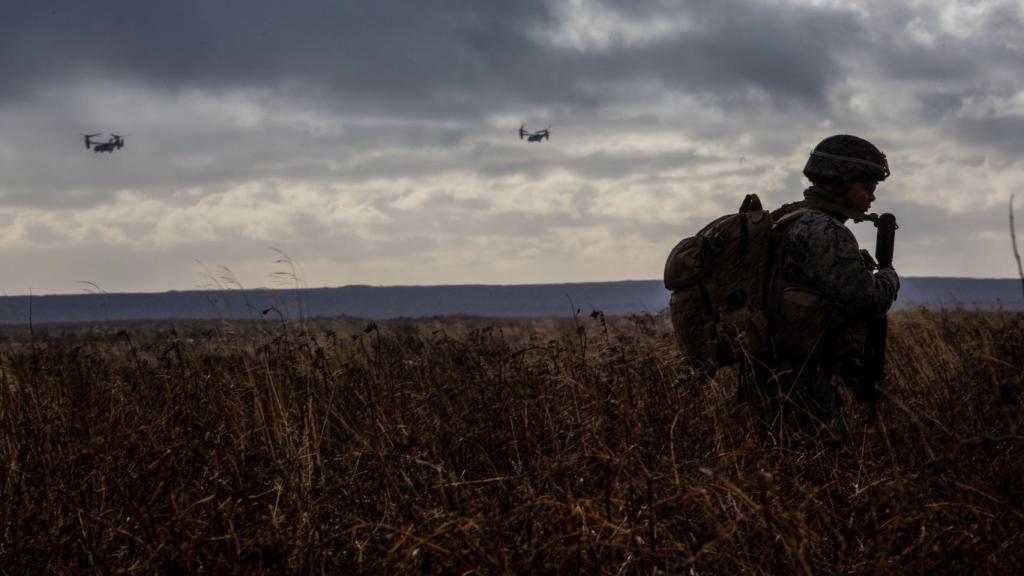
(816, 231)
(786, 209)
(817, 221)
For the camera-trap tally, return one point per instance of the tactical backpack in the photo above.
(721, 282)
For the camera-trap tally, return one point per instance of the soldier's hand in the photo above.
(869, 262)
(890, 276)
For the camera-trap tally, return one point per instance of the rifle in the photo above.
(878, 328)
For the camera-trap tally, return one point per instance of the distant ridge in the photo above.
(381, 302)
(944, 292)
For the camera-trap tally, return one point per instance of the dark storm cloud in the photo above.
(413, 54)
(735, 45)
(416, 58)
(465, 61)
(985, 127)
(963, 72)
(175, 156)
(935, 105)
(469, 59)
(1003, 134)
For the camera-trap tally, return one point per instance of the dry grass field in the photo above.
(482, 447)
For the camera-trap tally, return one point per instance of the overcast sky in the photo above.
(373, 141)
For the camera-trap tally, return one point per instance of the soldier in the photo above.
(825, 286)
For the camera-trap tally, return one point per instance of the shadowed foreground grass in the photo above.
(452, 446)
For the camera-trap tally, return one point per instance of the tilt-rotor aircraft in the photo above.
(116, 142)
(537, 136)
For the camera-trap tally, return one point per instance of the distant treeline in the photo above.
(381, 302)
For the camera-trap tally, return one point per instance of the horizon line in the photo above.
(451, 285)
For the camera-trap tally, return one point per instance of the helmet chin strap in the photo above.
(839, 210)
(814, 198)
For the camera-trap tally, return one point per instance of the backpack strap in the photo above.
(774, 280)
(790, 218)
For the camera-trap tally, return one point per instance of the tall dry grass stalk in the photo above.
(1016, 252)
(464, 446)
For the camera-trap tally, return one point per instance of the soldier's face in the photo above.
(860, 195)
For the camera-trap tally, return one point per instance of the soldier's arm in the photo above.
(846, 280)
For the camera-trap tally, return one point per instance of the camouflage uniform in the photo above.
(833, 281)
(825, 292)
(821, 253)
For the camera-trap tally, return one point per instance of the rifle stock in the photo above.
(878, 328)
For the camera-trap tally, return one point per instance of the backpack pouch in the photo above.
(687, 263)
(800, 323)
(694, 324)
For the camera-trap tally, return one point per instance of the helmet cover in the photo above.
(846, 158)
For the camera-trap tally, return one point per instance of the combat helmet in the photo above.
(846, 158)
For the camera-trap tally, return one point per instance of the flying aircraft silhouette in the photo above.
(537, 136)
(116, 142)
